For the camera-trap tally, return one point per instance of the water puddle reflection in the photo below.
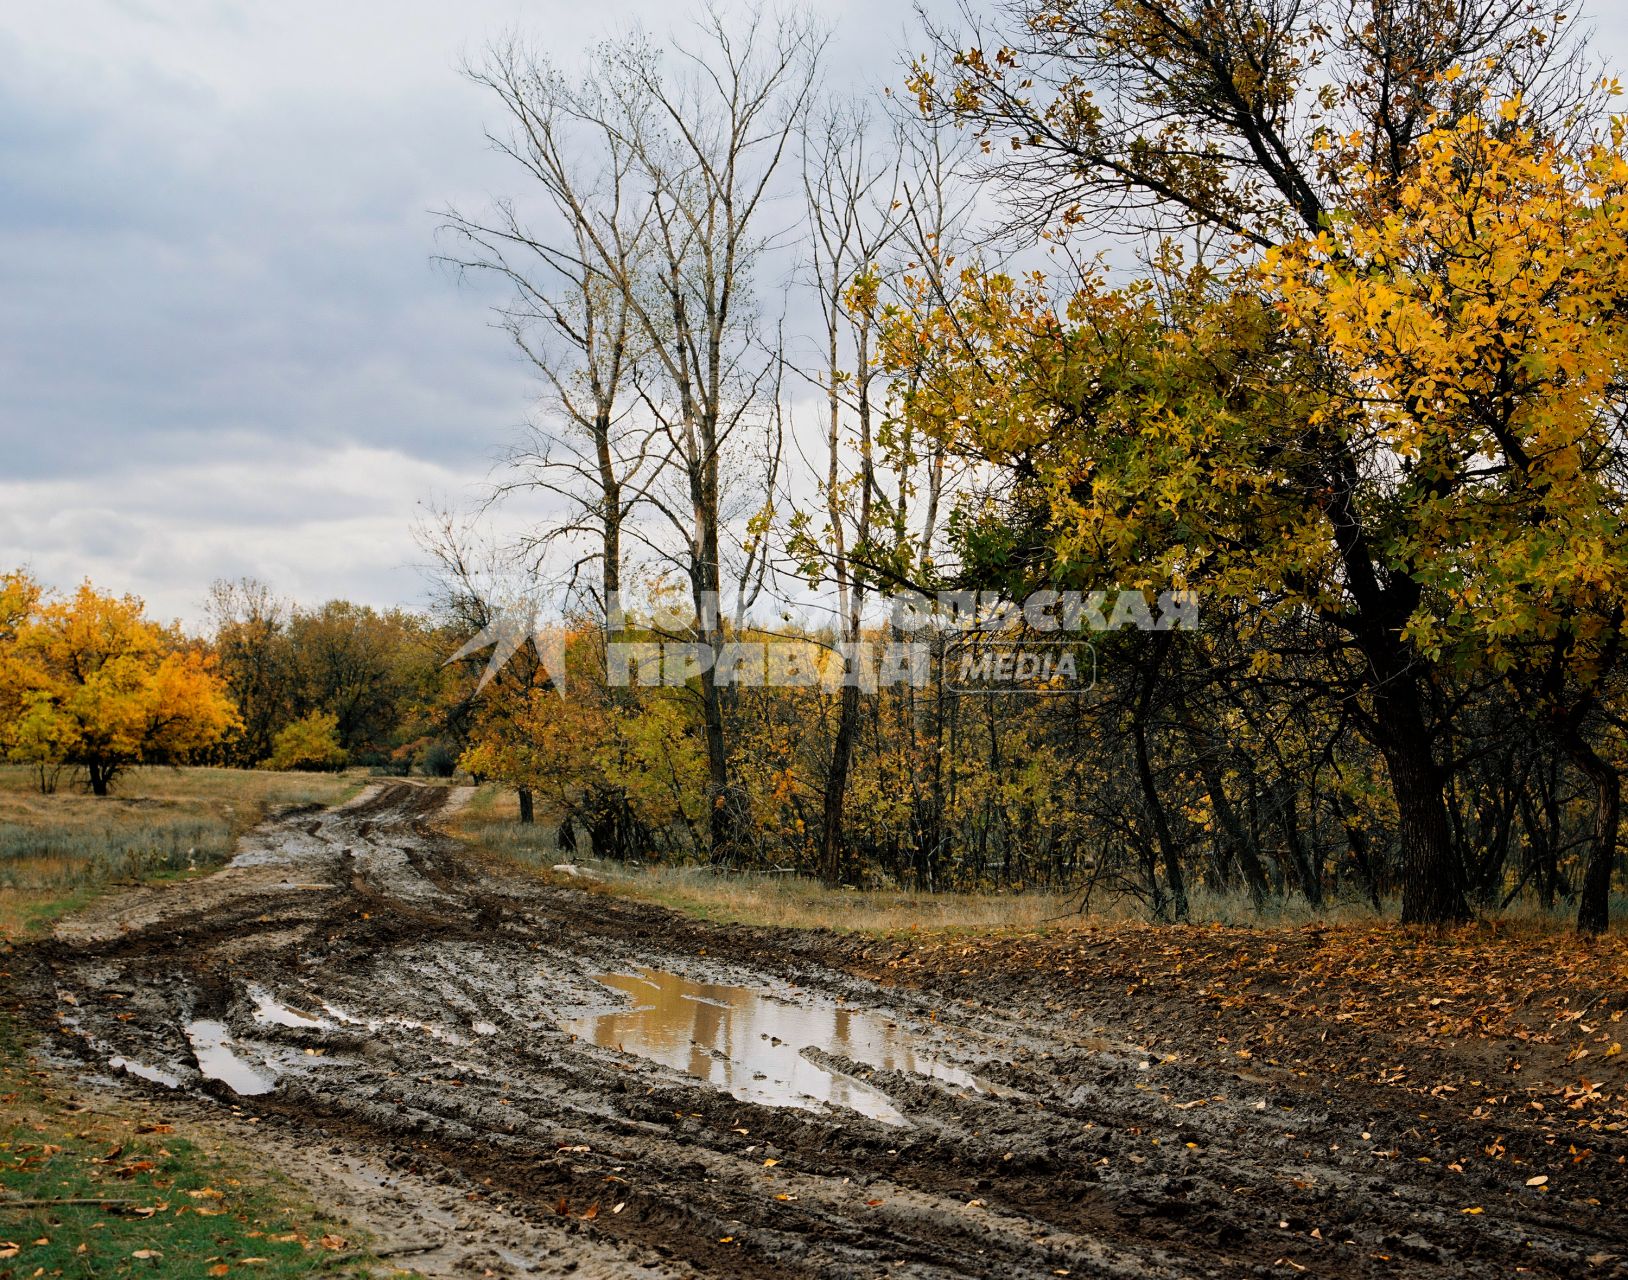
(752, 1046)
(211, 1045)
(268, 1008)
(141, 1069)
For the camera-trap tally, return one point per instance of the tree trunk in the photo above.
(1432, 883)
(1432, 871)
(527, 813)
(1594, 900)
(1356, 841)
(1150, 789)
(610, 497)
(1242, 847)
(836, 785)
(1307, 872)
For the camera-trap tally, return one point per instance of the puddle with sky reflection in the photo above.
(751, 1045)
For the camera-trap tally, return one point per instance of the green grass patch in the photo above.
(162, 1204)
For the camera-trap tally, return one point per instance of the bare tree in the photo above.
(699, 133)
(571, 309)
(851, 182)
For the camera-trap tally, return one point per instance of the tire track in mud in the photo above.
(414, 1008)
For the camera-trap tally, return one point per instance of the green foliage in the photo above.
(439, 760)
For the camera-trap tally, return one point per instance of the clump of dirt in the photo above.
(1077, 1104)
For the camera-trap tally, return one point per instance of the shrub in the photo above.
(310, 743)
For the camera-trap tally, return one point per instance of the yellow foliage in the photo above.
(89, 680)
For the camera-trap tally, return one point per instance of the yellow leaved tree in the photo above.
(1475, 317)
(88, 680)
(1407, 426)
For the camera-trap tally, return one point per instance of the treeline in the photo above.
(336, 684)
(90, 683)
(1362, 392)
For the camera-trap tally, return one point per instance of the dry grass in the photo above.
(57, 851)
(795, 902)
(491, 822)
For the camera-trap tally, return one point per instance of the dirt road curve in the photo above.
(419, 1039)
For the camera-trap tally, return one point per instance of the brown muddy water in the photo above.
(755, 1047)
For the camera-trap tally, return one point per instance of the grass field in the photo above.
(58, 851)
(160, 1203)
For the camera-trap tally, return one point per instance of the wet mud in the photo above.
(514, 1078)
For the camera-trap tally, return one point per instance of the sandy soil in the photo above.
(421, 1027)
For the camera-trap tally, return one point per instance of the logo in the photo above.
(991, 664)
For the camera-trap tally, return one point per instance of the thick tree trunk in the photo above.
(1432, 869)
(1594, 900)
(1432, 874)
(527, 812)
(101, 776)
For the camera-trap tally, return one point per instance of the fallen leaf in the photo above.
(1537, 1181)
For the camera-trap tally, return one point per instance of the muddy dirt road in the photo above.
(511, 1078)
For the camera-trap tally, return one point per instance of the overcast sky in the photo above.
(224, 347)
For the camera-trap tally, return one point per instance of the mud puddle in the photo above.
(155, 1075)
(218, 1060)
(757, 1048)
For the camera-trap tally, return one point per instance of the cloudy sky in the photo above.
(224, 346)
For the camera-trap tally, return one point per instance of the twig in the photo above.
(38, 1204)
(353, 1255)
